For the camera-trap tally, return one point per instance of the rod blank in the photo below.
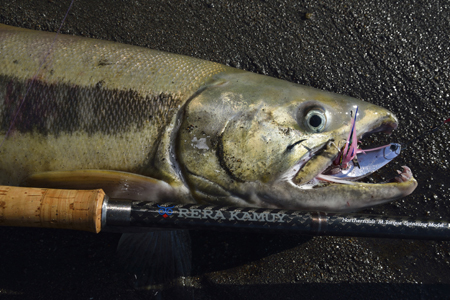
(141, 214)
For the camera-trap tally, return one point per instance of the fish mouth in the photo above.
(320, 167)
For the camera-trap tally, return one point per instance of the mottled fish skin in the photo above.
(94, 104)
(206, 132)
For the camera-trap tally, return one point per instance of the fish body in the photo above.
(145, 124)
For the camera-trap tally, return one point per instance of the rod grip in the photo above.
(51, 208)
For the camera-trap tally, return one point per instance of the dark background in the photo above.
(394, 54)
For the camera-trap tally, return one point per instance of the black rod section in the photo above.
(138, 215)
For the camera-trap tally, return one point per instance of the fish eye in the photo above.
(316, 120)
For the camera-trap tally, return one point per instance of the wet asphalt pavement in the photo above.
(395, 55)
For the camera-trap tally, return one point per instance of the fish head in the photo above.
(252, 140)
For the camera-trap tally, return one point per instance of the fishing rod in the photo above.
(93, 211)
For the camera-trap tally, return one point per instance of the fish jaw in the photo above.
(305, 181)
(337, 197)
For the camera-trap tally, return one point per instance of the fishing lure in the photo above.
(371, 159)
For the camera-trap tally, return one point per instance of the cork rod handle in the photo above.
(51, 208)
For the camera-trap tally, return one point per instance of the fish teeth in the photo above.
(404, 175)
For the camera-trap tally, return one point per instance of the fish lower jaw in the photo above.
(320, 181)
(323, 180)
(318, 168)
(315, 181)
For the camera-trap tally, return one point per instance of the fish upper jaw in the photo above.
(306, 172)
(310, 165)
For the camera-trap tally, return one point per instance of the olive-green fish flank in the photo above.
(155, 126)
(93, 105)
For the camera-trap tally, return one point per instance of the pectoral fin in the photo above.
(115, 184)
